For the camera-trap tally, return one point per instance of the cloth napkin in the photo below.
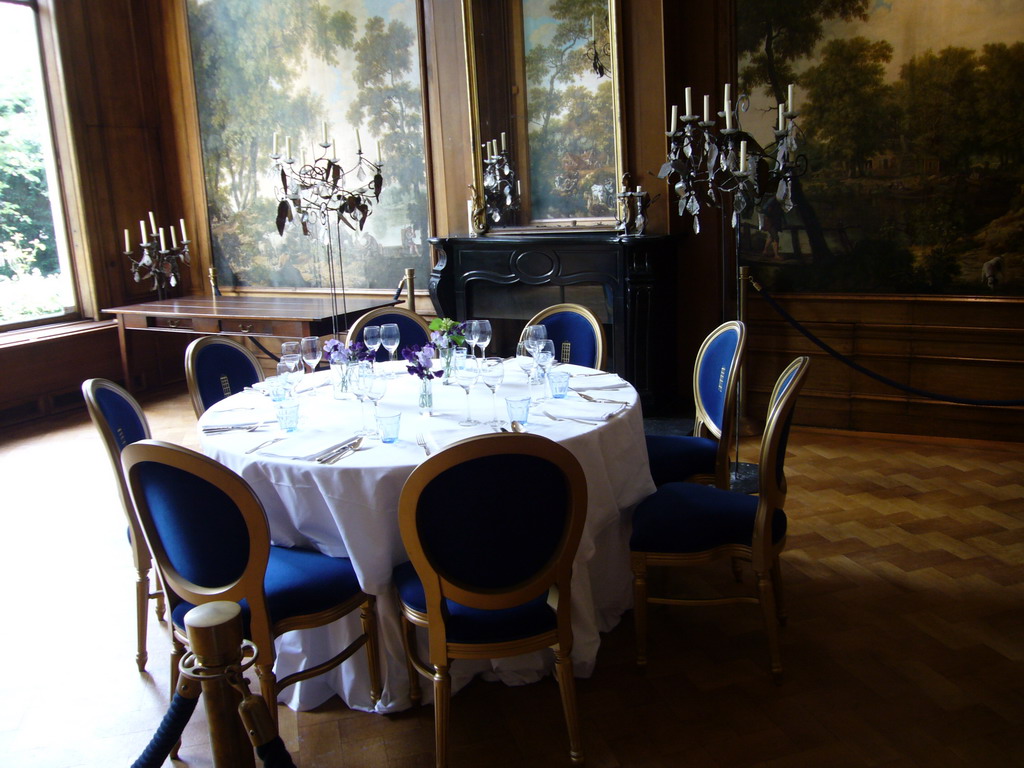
(579, 409)
(305, 446)
(436, 439)
(603, 381)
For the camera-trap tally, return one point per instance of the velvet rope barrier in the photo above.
(169, 731)
(866, 371)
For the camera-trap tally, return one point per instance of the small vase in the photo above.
(426, 401)
(448, 369)
(341, 377)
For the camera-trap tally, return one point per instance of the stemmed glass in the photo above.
(483, 336)
(290, 348)
(471, 333)
(376, 388)
(371, 338)
(544, 354)
(311, 351)
(390, 337)
(525, 360)
(467, 371)
(361, 384)
(532, 337)
(290, 367)
(492, 371)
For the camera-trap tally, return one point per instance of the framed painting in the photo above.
(909, 126)
(328, 80)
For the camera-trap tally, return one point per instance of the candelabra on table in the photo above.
(501, 186)
(157, 262)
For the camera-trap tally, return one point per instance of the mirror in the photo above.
(545, 99)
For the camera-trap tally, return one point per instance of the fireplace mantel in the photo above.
(627, 281)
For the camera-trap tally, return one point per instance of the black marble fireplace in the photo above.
(628, 282)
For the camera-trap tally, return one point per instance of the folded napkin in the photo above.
(436, 439)
(306, 446)
(601, 381)
(580, 409)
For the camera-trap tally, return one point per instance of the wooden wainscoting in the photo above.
(964, 347)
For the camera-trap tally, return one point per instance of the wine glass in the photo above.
(371, 338)
(360, 388)
(492, 371)
(525, 360)
(291, 368)
(544, 354)
(376, 388)
(467, 371)
(483, 336)
(311, 351)
(390, 337)
(470, 334)
(290, 348)
(533, 335)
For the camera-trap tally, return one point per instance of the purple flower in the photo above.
(420, 359)
(337, 352)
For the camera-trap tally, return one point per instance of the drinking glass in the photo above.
(467, 371)
(376, 389)
(290, 367)
(390, 338)
(311, 351)
(492, 371)
(290, 348)
(544, 354)
(483, 336)
(470, 334)
(371, 338)
(360, 387)
(533, 335)
(525, 360)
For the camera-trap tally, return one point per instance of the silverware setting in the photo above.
(570, 418)
(235, 427)
(325, 451)
(266, 444)
(422, 443)
(517, 427)
(591, 399)
(346, 450)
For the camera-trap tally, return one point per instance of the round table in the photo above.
(350, 508)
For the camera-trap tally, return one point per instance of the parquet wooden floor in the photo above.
(904, 647)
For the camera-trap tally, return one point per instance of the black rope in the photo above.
(168, 733)
(867, 372)
(274, 755)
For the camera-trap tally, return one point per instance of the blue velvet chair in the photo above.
(577, 333)
(412, 328)
(685, 524)
(215, 368)
(120, 422)
(489, 571)
(210, 540)
(704, 456)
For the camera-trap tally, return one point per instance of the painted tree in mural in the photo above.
(773, 36)
(572, 150)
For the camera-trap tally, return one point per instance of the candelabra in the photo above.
(157, 262)
(633, 205)
(599, 54)
(501, 191)
(320, 196)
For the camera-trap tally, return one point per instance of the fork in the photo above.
(265, 444)
(590, 399)
(422, 442)
(569, 418)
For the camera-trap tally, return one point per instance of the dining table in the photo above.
(349, 507)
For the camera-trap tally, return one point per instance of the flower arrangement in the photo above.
(420, 359)
(338, 352)
(446, 333)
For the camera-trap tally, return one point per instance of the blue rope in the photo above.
(876, 376)
(168, 733)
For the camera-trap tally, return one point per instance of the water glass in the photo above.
(518, 409)
(287, 414)
(387, 425)
(559, 382)
(290, 348)
(311, 351)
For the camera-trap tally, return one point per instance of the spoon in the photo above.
(517, 427)
(346, 451)
(590, 399)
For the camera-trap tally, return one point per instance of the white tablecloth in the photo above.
(350, 508)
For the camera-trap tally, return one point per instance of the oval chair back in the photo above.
(412, 328)
(716, 372)
(578, 334)
(215, 368)
(121, 422)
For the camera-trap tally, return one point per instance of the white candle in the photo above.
(791, 103)
(142, 229)
(494, 148)
(334, 150)
(707, 108)
(728, 94)
(152, 222)
(163, 243)
(359, 143)
(127, 242)
(519, 189)
(303, 155)
(379, 155)
(323, 132)
(689, 102)
(728, 114)
(639, 191)
(174, 238)
(504, 144)
(675, 119)
(184, 237)
(593, 28)
(274, 150)
(743, 156)
(288, 147)
(782, 116)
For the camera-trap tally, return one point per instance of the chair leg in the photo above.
(780, 610)
(368, 617)
(737, 570)
(268, 687)
(766, 596)
(409, 644)
(567, 686)
(442, 702)
(141, 614)
(640, 608)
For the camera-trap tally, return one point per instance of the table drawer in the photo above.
(174, 323)
(247, 327)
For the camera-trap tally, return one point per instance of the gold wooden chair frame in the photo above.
(563, 354)
(114, 440)
(367, 319)
(763, 554)
(250, 585)
(192, 355)
(554, 579)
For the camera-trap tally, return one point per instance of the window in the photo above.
(36, 277)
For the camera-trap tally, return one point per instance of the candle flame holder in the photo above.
(162, 266)
(500, 190)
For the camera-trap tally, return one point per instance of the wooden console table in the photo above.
(252, 316)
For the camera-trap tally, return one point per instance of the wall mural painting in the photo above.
(291, 67)
(911, 125)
